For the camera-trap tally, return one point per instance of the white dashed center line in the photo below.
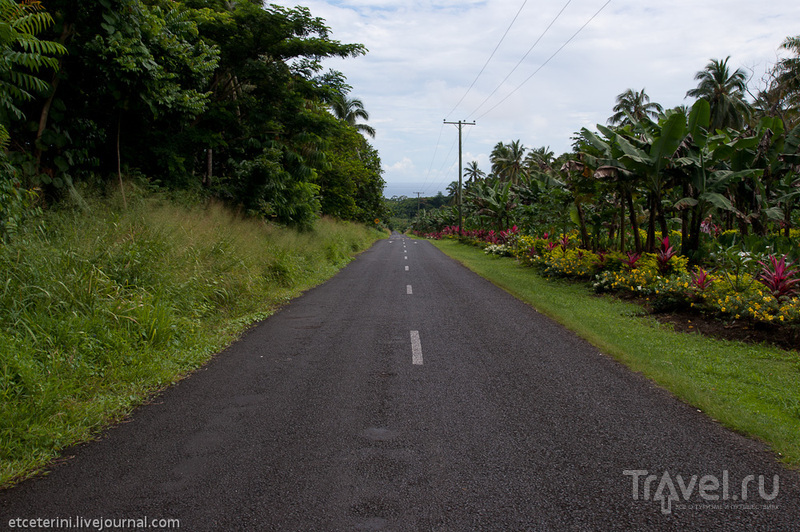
(416, 349)
(406, 268)
(408, 289)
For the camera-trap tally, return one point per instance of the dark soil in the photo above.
(693, 321)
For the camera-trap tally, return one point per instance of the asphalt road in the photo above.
(409, 394)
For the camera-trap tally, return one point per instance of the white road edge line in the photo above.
(408, 289)
(416, 349)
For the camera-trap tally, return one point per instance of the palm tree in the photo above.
(540, 159)
(452, 189)
(634, 104)
(725, 92)
(472, 172)
(508, 161)
(781, 97)
(789, 68)
(351, 110)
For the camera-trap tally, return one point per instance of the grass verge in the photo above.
(752, 389)
(99, 309)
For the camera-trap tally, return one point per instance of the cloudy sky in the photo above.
(424, 55)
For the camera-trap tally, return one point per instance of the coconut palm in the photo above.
(724, 91)
(781, 97)
(508, 161)
(472, 172)
(634, 104)
(540, 159)
(789, 68)
(351, 110)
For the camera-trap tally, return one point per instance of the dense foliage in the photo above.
(224, 97)
(690, 207)
(722, 164)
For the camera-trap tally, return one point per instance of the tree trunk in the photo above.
(637, 240)
(43, 121)
(685, 222)
(119, 162)
(622, 198)
(787, 218)
(697, 222)
(209, 167)
(651, 224)
(662, 218)
(693, 239)
(584, 233)
(43, 117)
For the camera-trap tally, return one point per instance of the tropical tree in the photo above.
(781, 95)
(493, 202)
(725, 92)
(508, 161)
(473, 173)
(539, 159)
(452, 190)
(789, 69)
(636, 105)
(351, 110)
(22, 56)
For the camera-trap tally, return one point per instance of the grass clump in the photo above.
(753, 389)
(100, 308)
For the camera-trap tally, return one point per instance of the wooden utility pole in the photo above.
(460, 124)
(418, 201)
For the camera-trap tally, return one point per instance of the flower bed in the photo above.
(742, 286)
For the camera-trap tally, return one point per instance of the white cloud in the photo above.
(423, 55)
(404, 166)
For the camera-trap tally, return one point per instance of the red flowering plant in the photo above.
(778, 277)
(664, 255)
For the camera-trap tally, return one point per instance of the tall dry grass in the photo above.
(99, 308)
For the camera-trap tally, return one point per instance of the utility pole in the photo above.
(418, 201)
(460, 124)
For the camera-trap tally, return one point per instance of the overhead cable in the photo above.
(548, 60)
(522, 59)
(487, 61)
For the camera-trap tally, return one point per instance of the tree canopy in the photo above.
(225, 97)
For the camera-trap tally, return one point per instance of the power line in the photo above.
(548, 60)
(490, 58)
(435, 150)
(447, 176)
(523, 58)
(444, 163)
(461, 125)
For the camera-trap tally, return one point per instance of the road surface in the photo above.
(407, 393)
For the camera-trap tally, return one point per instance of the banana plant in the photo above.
(494, 202)
(648, 155)
(707, 178)
(764, 158)
(607, 166)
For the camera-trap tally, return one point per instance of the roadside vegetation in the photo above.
(693, 209)
(225, 99)
(752, 389)
(102, 305)
(109, 289)
(686, 216)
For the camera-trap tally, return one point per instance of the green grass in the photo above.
(752, 389)
(100, 309)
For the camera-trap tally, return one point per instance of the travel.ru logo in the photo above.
(709, 488)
